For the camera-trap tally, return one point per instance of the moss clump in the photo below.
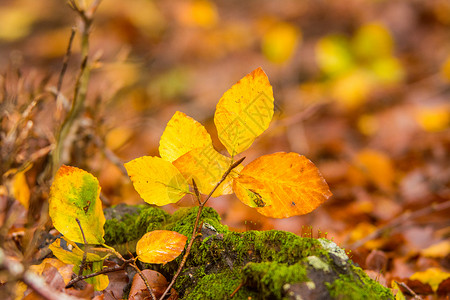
(269, 278)
(353, 287)
(125, 224)
(269, 264)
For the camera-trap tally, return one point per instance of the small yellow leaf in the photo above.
(372, 41)
(182, 134)
(433, 119)
(160, 246)
(207, 166)
(432, 276)
(280, 42)
(156, 180)
(439, 250)
(75, 256)
(333, 55)
(397, 292)
(74, 194)
(244, 112)
(281, 185)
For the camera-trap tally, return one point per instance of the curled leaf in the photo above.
(244, 112)
(281, 185)
(74, 194)
(160, 246)
(156, 180)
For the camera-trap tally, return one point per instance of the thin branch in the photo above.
(83, 262)
(197, 219)
(197, 193)
(103, 271)
(65, 64)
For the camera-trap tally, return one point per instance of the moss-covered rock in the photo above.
(252, 265)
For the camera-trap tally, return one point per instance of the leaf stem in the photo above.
(83, 262)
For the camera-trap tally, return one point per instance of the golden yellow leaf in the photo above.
(438, 250)
(432, 276)
(160, 246)
(371, 41)
(281, 185)
(74, 194)
(396, 291)
(182, 134)
(19, 186)
(75, 256)
(156, 180)
(333, 55)
(207, 166)
(244, 112)
(280, 42)
(433, 119)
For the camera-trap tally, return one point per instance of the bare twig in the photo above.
(400, 220)
(197, 219)
(406, 287)
(64, 66)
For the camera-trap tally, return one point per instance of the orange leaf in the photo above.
(281, 185)
(160, 246)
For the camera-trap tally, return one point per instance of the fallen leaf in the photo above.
(182, 134)
(160, 246)
(281, 185)
(432, 276)
(244, 112)
(156, 281)
(280, 42)
(156, 180)
(74, 194)
(438, 250)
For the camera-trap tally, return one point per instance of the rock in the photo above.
(253, 264)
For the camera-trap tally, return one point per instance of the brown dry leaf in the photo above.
(157, 282)
(281, 185)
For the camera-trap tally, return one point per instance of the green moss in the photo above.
(351, 287)
(270, 277)
(182, 221)
(221, 286)
(270, 264)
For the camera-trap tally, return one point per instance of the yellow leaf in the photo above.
(372, 41)
(244, 112)
(396, 290)
(74, 256)
(281, 185)
(280, 42)
(182, 134)
(19, 185)
(433, 119)
(352, 89)
(333, 55)
(439, 250)
(156, 180)
(74, 194)
(160, 246)
(207, 166)
(432, 276)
